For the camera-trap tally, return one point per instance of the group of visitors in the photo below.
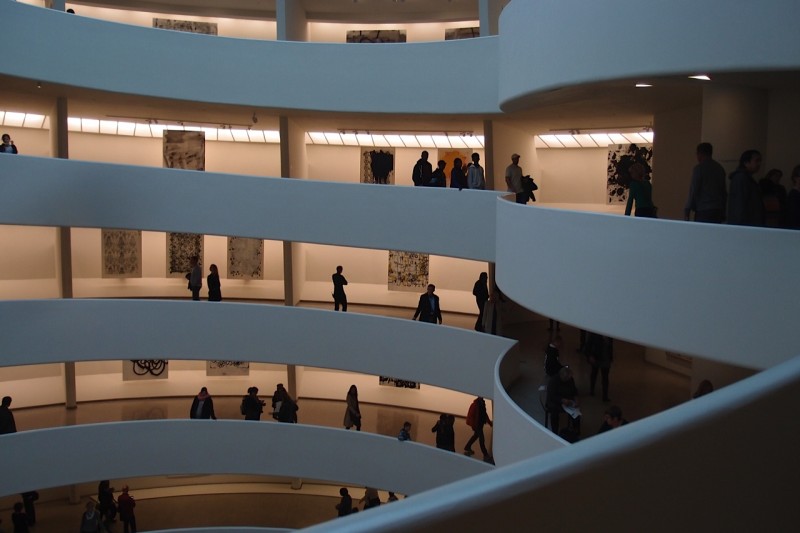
(195, 279)
(284, 407)
(370, 500)
(742, 201)
(469, 176)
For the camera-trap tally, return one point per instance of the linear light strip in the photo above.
(593, 140)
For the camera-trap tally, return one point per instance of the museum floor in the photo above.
(640, 388)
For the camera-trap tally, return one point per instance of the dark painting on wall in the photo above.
(408, 271)
(376, 36)
(451, 34)
(145, 369)
(377, 165)
(620, 158)
(189, 26)
(121, 251)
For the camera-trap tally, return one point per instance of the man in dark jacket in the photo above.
(428, 308)
(421, 175)
(7, 424)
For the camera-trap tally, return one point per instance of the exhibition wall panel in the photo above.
(246, 72)
(336, 32)
(695, 289)
(536, 54)
(170, 447)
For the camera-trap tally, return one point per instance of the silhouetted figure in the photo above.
(445, 432)
(428, 308)
(7, 423)
(458, 178)
(477, 417)
(214, 286)
(707, 192)
(126, 515)
(438, 178)
(339, 297)
(345, 505)
(202, 406)
(640, 192)
(352, 414)
(475, 177)
(195, 277)
(745, 207)
(421, 175)
(481, 292)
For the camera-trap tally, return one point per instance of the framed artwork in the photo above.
(121, 251)
(377, 165)
(408, 271)
(189, 26)
(452, 34)
(227, 368)
(620, 158)
(245, 258)
(397, 383)
(376, 36)
(185, 149)
(180, 249)
(145, 369)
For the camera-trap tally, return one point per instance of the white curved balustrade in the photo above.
(49, 331)
(106, 56)
(696, 289)
(59, 192)
(537, 39)
(60, 456)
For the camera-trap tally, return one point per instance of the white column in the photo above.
(291, 20)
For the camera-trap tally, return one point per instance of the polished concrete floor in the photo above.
(640, 388)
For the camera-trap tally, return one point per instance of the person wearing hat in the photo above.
(514, 180)
(202, 406)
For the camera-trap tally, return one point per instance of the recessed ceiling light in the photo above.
(643, 85)
(703, 77)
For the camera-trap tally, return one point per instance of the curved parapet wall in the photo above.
(59, 192)
(169, 447)
(51, 331)
(118, 58)
(538, 39)
(696, 289)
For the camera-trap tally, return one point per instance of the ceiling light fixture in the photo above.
(703, 77)
(643, 85)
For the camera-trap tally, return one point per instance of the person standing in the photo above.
(745, 207)
(552, 364)
(214, 286)
(29, 501)
(8, 146)
(126, 504)
(428, 308)
(600, 353)
(105, 501)
(421, 175)
(405, 432)
(445, 432)
(352, 414)
(19, 519)
(481, 292)
(195, 277)
(252, 405)
(707, 194)
(202, 406)
(345, 505)
(475, 177)
(438, 178)
(458, 177)
(91, 521)
(641, 192)
(477, 417)
(514, 180)
(7, 423)
(339, 297)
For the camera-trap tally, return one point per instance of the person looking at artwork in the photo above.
(438, 178)
(345, 505)
(8, 146)
(352, 413)
(428, 308)
(339, 297)
(641, 192)
(214, 287)
(7, 423)
(481, 293)
(707, 193)
(288, 410)
(202, 406)
(421, 175)
(475, 177)
(458, 178)
(195, 277)
(514, 180)
(252, 405)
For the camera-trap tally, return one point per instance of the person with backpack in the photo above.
(477, 417)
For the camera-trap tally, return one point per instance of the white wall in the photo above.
(572, 175)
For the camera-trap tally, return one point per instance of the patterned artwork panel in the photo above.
(408, 271)
(145, 369)
(180, 249)
(121, 252)
(376, 36)
(189, 26)
(245, 258)
(620, 158)
(227, 368)
(185, 149)
(449, 157)
(377, 165)
(397, 383)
